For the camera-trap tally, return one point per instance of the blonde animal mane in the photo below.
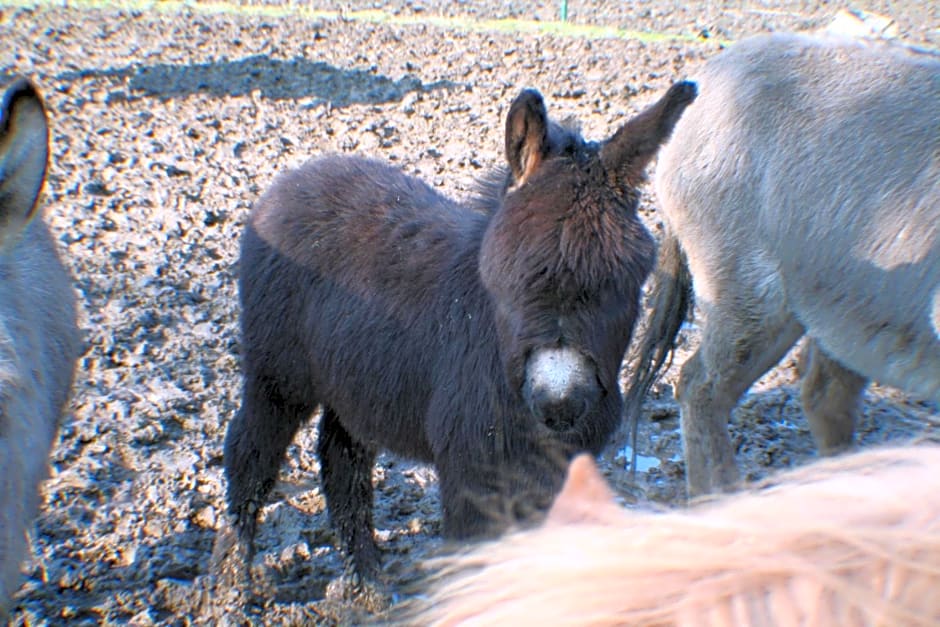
(845, 542)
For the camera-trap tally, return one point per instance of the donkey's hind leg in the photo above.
(737, 347)
(831, 396)
(346, 475)
(255, 445)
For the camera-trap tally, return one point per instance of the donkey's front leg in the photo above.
(346, 475)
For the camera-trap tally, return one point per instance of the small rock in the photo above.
(206, 517)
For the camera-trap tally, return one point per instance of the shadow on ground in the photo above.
(282, 79)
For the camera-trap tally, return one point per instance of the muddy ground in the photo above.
(167, 124)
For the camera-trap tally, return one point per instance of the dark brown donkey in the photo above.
(485, 339)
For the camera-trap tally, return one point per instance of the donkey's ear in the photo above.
(526, 134)
(585, 493)
(24, 150)
(634, 145)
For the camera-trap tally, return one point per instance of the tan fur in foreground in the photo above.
(846, 542)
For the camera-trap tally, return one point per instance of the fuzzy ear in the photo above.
(585, 491)
(526, 134)
(24, 151)
(627, 153)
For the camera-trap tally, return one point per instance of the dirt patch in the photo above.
(166, 127)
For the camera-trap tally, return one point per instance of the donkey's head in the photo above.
(564, 257)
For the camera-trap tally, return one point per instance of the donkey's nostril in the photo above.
(553, 424)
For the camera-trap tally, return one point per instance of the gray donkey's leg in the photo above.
(738, 346)
(831, 395)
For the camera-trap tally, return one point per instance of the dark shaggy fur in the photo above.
(410, 320)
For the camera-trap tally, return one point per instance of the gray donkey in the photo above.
(39, 337)
(801, 193)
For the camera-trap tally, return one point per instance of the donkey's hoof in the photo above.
(230, 564)
(368, 594)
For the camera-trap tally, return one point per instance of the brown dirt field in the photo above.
(167, 125)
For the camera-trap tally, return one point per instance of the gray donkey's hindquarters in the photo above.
(803, 186)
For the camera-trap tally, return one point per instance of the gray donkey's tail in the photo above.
(669, 304)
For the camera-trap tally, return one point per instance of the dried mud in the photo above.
(166, 126)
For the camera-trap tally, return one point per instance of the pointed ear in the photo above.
(526, 134)
(630, 149)
(24, 151)
(584, 492)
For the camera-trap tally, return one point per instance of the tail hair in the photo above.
(670, 304)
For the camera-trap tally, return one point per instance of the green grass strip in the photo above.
(464, 24)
